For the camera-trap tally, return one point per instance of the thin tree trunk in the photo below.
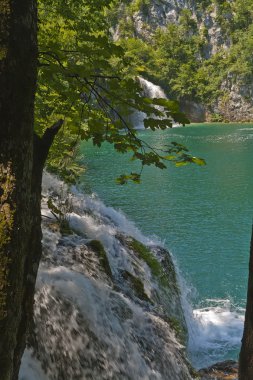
(18, 63)
(246, 354)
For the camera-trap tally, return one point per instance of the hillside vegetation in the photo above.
(198, 51)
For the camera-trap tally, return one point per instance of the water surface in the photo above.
(202, 214)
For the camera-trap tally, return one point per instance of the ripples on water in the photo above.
(203, 215)
(234, 138)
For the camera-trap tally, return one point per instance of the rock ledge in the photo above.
(227, 370)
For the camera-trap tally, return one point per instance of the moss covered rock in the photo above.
(166, 298)
(137, 285)
(98, 247)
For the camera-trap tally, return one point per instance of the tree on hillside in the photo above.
(85, 83)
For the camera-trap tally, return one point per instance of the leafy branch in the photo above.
(84, 79)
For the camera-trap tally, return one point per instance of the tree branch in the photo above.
(44, 143)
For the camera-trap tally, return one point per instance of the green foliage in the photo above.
(137, 285)
(216, 118)
(243, 14)
(176, 326)
(140, 6)
(203, 5)
(173, 59)
(241, 53)
(88, 81)
(224, 16)
(209, 77)
(186, 20)
(139, 53)
(60, 208)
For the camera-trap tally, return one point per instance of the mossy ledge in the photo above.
(137, 285)
(168, 295)
(146, 255)
(65, 228)
(176, 325)
(98, 247)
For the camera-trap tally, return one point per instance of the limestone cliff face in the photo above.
(160, 13)
(237, 103)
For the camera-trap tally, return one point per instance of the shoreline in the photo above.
(207, 123)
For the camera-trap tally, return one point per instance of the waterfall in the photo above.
(101, 312)
(104, 309)
(150, 90)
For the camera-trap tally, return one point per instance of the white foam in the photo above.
(151, 91)
(215, 331)
(31, 368)
(61, 277)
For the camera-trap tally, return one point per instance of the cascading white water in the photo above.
(214, 331)
(90, 326)
(151, 90)
(93, 324)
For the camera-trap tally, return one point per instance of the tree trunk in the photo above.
(246, 354)
(18, 62)
(22, 158)
(33, 255)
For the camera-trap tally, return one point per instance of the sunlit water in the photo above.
(204, 217)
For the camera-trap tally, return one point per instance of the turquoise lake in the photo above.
(203, 215)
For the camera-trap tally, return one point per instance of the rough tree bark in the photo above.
(18, 62)
(246, 354)
(41, 148)
(22, 158)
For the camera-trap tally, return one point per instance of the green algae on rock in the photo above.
(98, 247)
(166, 298)
(137, 285)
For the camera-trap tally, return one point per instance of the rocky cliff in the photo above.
(234, 100)
(159, 13)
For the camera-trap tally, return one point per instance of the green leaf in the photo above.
(181, 163)
(198, 161)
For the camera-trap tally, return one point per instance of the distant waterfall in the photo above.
(150, 90)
